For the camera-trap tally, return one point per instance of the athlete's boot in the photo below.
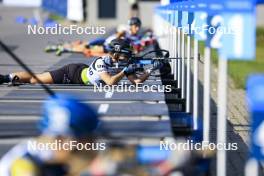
(15, 81)
(51, 48)
(60, 50)
(4, 79)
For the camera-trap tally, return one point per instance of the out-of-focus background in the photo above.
(103, 12)
(95, 12)
(15, 15)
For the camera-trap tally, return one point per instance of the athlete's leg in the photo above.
(77, 42)
(24, 77)
(76, 46)
(98, 41)
(43, 77)
(94, 51)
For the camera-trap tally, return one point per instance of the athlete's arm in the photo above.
(102, 71)
(134, 79)
(120, 34)
(111, 80)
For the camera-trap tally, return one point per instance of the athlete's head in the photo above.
(66, 116)
(134, 24)
(66, 122)
(120, 50)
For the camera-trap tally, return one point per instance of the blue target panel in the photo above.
(222, 24)
(200, 25)
(240, 40)
(255, 96)
(215, 31)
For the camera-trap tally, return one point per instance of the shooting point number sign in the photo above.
(232, 33)
(241, 44)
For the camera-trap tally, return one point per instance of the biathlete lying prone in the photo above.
(102, 70)
(99, 47)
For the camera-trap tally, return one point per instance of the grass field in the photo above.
(240, 70)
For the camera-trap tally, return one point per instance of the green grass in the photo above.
(240, 70)
(56, 17)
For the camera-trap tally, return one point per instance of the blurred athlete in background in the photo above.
(99, 46)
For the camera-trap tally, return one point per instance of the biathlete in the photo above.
(103, 70)
(99, 47)
(65, 120)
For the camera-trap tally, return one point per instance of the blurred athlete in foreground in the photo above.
(103, 70)
(64, 120)
(67, 120)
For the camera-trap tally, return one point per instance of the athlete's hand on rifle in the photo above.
(129, 70)
(156, 65)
